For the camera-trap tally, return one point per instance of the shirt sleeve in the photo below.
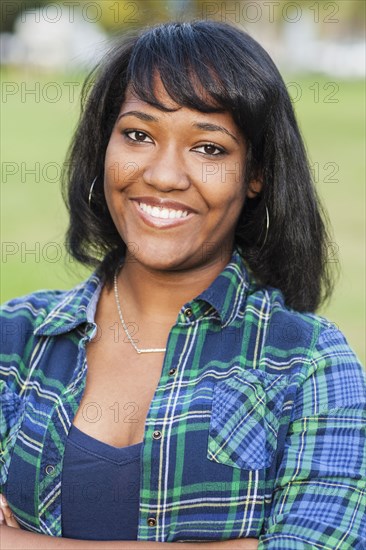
(13, 339)
(11, 408)
(319, 494)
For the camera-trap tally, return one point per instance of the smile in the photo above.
(155, 216)
(163, 213)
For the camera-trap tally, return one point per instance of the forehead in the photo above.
(163, 96)
(132, 101)
(160, 93)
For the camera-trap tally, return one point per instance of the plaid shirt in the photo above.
(260, 409)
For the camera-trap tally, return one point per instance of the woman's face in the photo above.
(174, 182)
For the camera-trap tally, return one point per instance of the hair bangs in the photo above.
(199, 73)
(189, 81)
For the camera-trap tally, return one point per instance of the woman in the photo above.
(187, 391)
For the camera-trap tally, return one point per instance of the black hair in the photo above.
(239, 76)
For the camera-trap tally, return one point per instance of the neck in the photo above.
(159, 295)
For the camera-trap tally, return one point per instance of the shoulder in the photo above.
(303, 344)
(22, 319)
(335, 377)
(31, 309)
(20, 316)
(29, 323)
(285, 329)
(31, 306)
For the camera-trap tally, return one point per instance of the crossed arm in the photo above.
(12, 537)
(17, 539)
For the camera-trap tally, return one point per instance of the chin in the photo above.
(164, 258)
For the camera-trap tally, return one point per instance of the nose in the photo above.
(166, 171)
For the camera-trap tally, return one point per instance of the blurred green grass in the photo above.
(39, 115)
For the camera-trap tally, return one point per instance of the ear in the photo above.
(254, 188)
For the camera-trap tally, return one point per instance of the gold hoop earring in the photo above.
(91, 191)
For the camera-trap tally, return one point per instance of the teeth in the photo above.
(164, 213)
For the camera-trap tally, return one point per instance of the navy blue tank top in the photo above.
(100, 489)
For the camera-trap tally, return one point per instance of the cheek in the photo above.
(226, 196)
(117, 169)
(226, 186)
(110, 165)
(226, 209)
(112, 185)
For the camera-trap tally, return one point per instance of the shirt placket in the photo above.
(50, 468)
(153, 464)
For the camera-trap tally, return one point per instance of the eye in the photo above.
(211, 146)
(140, 138)
(138, 133)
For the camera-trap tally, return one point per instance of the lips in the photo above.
(162, 217)
(164, 203)
(162, 213)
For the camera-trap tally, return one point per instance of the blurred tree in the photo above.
(342, 17)
(137, 13)
(10, 9)
(111, 14)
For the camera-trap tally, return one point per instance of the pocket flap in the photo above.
(245, 420)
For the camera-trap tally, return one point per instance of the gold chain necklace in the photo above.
(148, 350)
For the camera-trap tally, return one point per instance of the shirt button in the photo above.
(151, 522)
(188, 312)
(172, 371)
(49, 469)
(157, 434)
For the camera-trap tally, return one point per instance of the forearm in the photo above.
(17, 539)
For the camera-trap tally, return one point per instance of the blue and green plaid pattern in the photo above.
(261, 411)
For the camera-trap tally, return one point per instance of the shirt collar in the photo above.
(226, 294)
(76, 307)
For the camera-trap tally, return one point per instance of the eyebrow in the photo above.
(208, 126)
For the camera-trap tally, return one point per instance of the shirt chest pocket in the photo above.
(246, 413)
